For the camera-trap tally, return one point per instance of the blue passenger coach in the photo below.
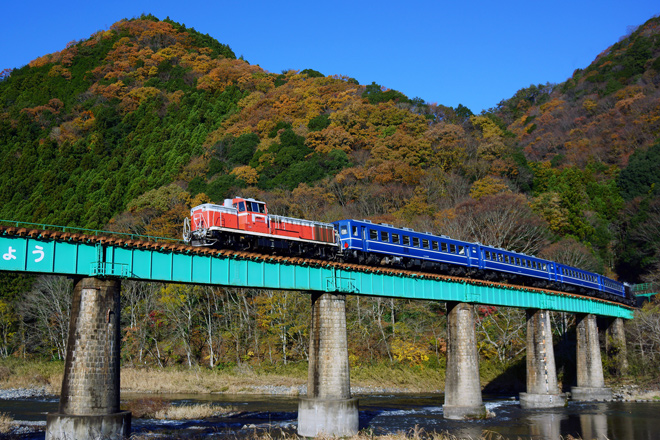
(362, 239)
(370, 243)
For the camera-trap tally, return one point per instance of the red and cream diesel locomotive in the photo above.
(245, 224)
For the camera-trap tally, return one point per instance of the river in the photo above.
(382, 414)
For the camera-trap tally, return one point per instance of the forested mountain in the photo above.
(129, 128)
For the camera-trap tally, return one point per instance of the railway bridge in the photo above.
(89, 403)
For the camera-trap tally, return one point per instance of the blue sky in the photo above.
(476, 53)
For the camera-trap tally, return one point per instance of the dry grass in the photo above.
(199, 380)
(647, 395)
(386, 376)
(6, 423)
(18, 373)
(415, 434)
(192, 412)
(159, 408)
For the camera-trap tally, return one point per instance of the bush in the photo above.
(6, 423)
(147, 407)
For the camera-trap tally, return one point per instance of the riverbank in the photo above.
(20, 379)
(243, 379)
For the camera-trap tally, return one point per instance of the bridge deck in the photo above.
(60, 253)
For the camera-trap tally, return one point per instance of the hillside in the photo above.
(602, 114)
(128, 128)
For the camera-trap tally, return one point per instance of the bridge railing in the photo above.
(646, 289)
(76, 230)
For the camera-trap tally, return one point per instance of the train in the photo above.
(245, 224)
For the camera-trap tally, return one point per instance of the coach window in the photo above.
(406, 240)
(452, 248)
(416, 241)
(395, 238)
(461, 250)
(344, 230)
(518, 261)
(434, 245)
(355, 231)
(425, 243)
(384, 236)
(373, 234)
(444, 247)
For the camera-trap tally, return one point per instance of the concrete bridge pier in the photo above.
(590, 380)
(328, 408)
(462, 385)
(542, 388)
(89, 402)
(616, 341)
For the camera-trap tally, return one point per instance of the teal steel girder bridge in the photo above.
(75, 254)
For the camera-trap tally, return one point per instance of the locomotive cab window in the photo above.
(415, 241)
(256, 207)
(373, 234)
(241, 206)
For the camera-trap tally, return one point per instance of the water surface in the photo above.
(383, 414)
